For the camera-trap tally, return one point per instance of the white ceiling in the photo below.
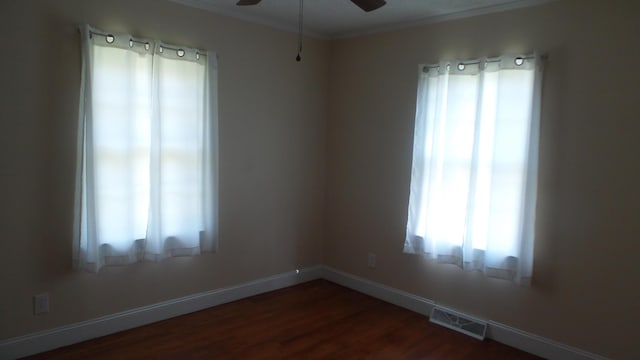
(342, 18)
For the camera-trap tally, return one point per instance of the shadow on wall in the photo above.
(551, 172)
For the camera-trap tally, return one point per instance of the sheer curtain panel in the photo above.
(474, 174)
(146, 183)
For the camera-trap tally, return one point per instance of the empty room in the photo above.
(338, 179)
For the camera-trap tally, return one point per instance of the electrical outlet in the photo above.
(371, 261)
(41, 304)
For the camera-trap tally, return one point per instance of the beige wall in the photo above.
(586, 291)
(272, 136)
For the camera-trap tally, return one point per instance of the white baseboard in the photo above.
(536, 345)
(394, 296)
(518, 339)
(74, 333)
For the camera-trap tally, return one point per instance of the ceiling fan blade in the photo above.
(369, 5)
(247, 2)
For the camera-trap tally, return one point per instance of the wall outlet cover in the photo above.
(41, 304)
(371, 261)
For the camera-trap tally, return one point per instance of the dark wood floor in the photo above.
(315, 320)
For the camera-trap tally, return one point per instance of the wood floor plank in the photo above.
(315, 320)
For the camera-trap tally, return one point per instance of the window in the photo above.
(474, 172)
(146, 179)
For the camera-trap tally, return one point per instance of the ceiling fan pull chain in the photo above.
(300, 18)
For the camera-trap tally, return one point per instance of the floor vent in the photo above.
(458, 322)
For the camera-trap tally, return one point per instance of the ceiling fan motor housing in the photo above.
(366, 5)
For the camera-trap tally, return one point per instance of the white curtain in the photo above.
(474, 173)
(146, 180)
